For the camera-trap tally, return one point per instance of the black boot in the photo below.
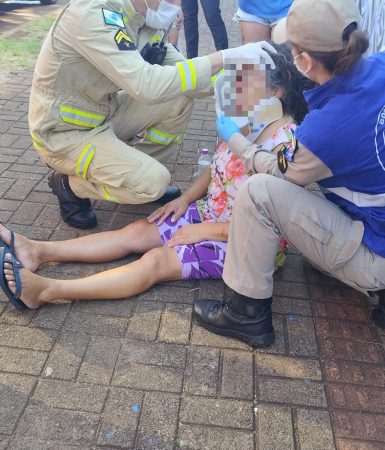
(75, 211)
(378, 314)
(172, 192)
(243, 318)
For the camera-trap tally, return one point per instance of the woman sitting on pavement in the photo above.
(185, 239)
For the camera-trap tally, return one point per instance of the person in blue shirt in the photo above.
(257, 18)
(341, 146)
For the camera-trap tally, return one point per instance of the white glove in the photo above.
(252, 53)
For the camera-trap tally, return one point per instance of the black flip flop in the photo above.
(16, 266)
(11, 246)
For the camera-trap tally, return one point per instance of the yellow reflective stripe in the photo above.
(39, 147)
(35, 138)
(82, 113)
(188, 76)
(108, 196)
(182, 76)
(78, 117)
(84, 161)
(36, 143)
(214, 77)
(156, 38)
(179, 138)
(193, 74)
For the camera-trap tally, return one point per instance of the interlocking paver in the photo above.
(275, 427)
(70, 395)
(314, 430)
(120, 418)
(296, 392)
(283, 366)
(175, 325)
(69, 427)
(158, 421)
(219, 412)
(237, 375)
(99, 360)
(14, 394)
(21, 361)
(194, 437)
(202, 371)
(140, 373)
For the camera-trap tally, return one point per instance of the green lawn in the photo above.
(20, 51)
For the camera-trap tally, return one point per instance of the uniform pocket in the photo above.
(336, 237)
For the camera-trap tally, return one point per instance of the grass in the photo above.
(20, 51)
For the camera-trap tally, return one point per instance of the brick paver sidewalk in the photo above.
(140, 374)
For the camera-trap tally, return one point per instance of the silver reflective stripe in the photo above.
(358, 198)
(82, 118)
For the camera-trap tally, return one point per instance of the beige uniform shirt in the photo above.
(306, 168)
(85, 61)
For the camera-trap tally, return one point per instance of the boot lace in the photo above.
(219, 307)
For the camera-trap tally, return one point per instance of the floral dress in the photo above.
(206, 259)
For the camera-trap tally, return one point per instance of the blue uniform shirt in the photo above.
(345, 128)
(267, 9)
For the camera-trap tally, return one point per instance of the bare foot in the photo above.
(33, 286)
(26, 250)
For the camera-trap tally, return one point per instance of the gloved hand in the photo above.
(226, 128)
(251, 53)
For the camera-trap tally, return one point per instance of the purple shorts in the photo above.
(201, 260)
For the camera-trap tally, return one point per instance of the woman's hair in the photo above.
(293, 83)
(355, 45)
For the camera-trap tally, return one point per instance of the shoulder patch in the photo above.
(113, 18)
(292, 148)
(123, 41)
(281, 159)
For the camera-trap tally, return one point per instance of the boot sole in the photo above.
(68, 221)
(264, 340)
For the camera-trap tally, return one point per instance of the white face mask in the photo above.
(163, 17)
(302, 72)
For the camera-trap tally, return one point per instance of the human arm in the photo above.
(206, 231)
(304, 169)
(179, 206)
(113, 52)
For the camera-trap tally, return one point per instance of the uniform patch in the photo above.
(292, 148)
(123, 41)
(113, 18)
(281, 159)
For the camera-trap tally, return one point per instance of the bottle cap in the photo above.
(204, 150)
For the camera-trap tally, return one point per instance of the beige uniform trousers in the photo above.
(116, 171)
(267, 207)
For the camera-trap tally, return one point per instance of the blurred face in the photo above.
(251, 88)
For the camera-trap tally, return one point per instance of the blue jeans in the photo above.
(214, 20)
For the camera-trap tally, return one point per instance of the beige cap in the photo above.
(316, 25)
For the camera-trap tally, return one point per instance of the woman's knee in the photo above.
(162, 263)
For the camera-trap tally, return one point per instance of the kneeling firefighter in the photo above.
(92, 90)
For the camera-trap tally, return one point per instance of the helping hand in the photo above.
(178, 206)
(251, 53)
(189, 234)
(226, 128)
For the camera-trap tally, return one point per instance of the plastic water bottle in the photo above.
(204, 160)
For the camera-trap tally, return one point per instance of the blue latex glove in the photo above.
(226, 128)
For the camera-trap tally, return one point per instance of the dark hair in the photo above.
(293, 83)
(355, 45)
